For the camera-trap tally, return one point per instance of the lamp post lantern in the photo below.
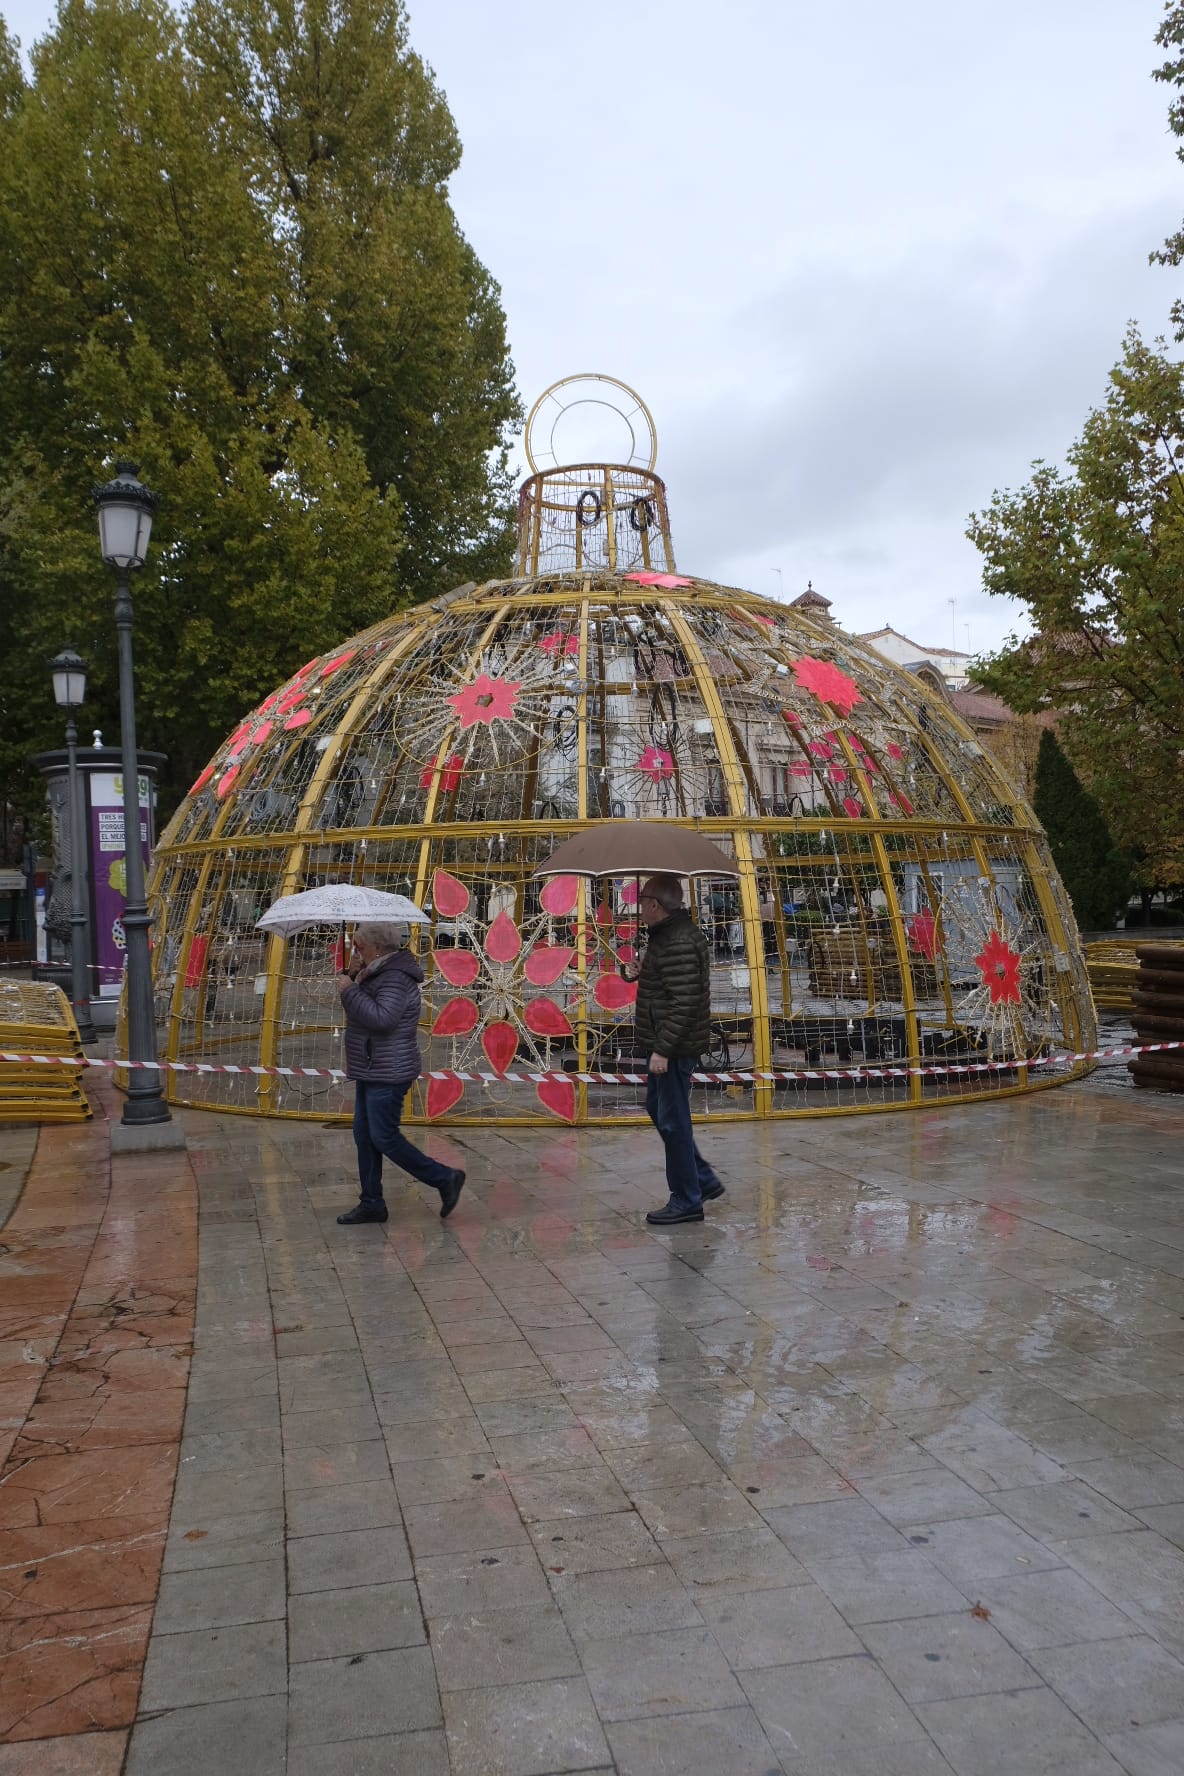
(125, 508)
(69, 690)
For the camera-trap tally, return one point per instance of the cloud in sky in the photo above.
(864, 262)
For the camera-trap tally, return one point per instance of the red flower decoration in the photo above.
(853, 807)
(821, 750)
(557, 644)
(789, 715)
(670, 581)
(226, 783)
(898, 797)
(999, 966)
(451, 772)
(301, 719)
(922, 934)
(486, 700)
(828, 683)
(203, 779)
(656, 763)
(893, 750)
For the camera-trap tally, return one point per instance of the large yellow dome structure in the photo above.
(897, 936)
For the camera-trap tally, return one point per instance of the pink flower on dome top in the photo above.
(670, 581)
(828, 683)
(486, 700)
(656, 763)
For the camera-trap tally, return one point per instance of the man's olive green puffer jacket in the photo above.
(674, 990)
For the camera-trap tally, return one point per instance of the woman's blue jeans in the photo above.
(668, 1106)
(378, 1104)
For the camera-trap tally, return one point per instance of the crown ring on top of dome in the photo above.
(588, 389)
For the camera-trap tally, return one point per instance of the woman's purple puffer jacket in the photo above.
(381, 1014)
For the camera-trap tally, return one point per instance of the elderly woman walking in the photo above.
(380, 996)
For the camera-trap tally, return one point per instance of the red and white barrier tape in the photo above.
(752, 1077)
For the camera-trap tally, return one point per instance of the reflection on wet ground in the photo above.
(879, 1470)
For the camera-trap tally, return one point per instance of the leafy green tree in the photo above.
(1096, 875)
(227, 251)
(1096, 555)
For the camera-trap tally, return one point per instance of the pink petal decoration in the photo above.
(829, 683)
(443, 1094)
(267, 703)
(486, 700)
(460, 968)
(626, 953)
(503, 940)
(868, 764)
(309, 666)
(821, 750)
(853, 807)
(544, 1018)
(795, 721)
(767, 621)
(656, 763)
(559, 1097)
(670, 581)
(837, 774)
(559, 894)
(449, 896)
(451, 772)
(500, 1042)
(893, 750)
(261, 733)
(604, 914)
(547, 962)
(226, 782)
(902, 801)
(301, 719)
(201, 781)
(338, 661)
(629, 894)
(290, 699)
(457, 1018)
(239, 735)
(855, 743)
(612, 993)
(558, 644)
(801, 769)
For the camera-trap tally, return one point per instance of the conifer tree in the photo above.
(1096, 874)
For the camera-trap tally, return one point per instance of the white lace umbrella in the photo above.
(338, 903)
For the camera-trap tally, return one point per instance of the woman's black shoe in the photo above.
(671, 1216)
(362, 1212)
(450, 1194)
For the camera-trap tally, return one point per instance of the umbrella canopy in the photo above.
(638, 848)
(336, 903)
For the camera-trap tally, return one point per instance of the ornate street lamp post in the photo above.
(125, 525)
(69, 689)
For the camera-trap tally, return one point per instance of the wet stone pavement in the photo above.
(879, 1472)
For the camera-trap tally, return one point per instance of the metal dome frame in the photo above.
(897, 908)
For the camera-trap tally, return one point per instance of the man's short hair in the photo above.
(666, 890)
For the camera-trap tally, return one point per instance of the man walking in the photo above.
(674, 1025)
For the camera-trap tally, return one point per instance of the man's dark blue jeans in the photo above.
(378, 1105)
(668, 1106)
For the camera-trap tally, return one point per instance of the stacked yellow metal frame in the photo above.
(1113, 970)
(37, 1019)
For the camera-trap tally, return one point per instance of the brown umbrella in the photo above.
(638, 848)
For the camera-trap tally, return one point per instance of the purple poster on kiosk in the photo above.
(109, 872)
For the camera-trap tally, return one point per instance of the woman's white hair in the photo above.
(385, 934)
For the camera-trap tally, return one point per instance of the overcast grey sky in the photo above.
(864, 261)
